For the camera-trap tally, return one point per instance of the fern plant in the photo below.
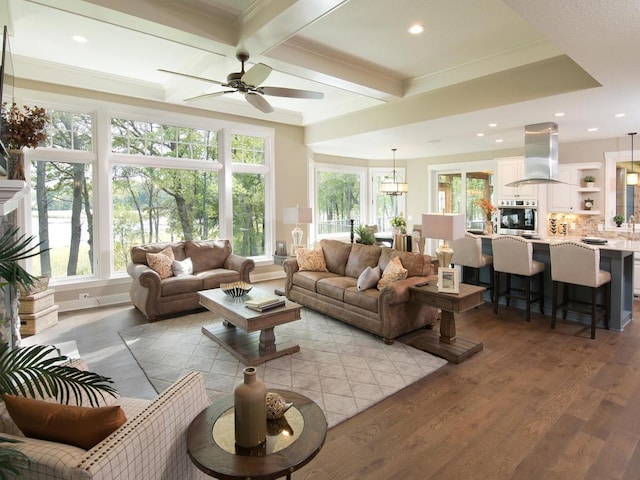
(366, 235)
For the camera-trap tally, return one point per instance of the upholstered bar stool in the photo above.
(577, 264)
(467, 252)
(514, 256)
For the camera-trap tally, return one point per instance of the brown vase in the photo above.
(15, 167)
(250, 410)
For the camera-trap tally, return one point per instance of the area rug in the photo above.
(343, 369)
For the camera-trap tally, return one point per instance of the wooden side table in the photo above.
(446, 344)
(291, 443)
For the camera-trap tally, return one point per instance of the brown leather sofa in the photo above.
(388, 312)
(213, 264)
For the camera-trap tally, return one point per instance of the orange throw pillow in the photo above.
(82, 427)
(311, 259)
(162, 262)
(392, 273)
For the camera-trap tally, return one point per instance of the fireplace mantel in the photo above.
(11, 191)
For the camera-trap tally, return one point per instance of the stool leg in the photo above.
(508, 289)
(565, 300)
(541, 291)
(491, 282)
(496, 292)
(554, 304)
(607, 304)
(528, 298)
(594, 317)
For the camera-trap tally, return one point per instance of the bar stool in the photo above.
(467, 252)
(514, 256)
(578, 264)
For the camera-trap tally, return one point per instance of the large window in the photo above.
(151, 182)
(339, 200)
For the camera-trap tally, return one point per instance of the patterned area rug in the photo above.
(343, 369)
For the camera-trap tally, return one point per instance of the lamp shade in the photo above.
(445, 226)
(294, 215)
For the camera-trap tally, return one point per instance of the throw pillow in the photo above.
(394, 272)
(161, 262)
(182, 268)
(82, 427)
(311, 259)
(368, 278)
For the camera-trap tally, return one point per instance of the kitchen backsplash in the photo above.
(585, 226)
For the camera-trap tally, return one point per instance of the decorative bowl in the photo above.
(236, 289)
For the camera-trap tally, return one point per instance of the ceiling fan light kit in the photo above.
(248, 83)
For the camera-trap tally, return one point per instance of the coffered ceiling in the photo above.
(478, 62)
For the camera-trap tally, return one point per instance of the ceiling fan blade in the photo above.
(259, 102)
(256, 74)
(208, 95)
(192, 76)
(290, 92)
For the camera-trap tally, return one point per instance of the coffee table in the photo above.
(291, 442)
(255, 343)
(447, 343)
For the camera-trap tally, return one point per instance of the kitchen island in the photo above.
(616, 257)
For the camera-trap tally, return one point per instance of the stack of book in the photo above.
(263, 304)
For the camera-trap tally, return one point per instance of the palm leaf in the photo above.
(36, 371)
(13, 248)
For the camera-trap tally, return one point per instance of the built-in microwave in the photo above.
(517, 217)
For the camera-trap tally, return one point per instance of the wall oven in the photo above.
(517, 217)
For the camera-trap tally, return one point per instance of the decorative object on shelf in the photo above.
(365, 234)
(632, 177)
(250, 410)
(296, 216)
(589, 181)
(394, 185)
(399, 224)
(588, 204)
(281, 248)
(416, 241)
(445, 226)
(488, 211)
(236, 289)
(618, 219)
(553, 226)
(22, 127)
(276, 405)
(564, 227)
(448, 280)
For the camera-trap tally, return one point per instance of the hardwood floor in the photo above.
(535, 404)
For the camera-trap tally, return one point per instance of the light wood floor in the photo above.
(535, 404)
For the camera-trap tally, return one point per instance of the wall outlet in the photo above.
(84, 295)
(573, 226)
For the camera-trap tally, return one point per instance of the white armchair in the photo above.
(151, 444)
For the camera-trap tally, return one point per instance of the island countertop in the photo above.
(619, 244)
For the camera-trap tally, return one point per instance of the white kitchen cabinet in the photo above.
(509, 170)
(570, 197)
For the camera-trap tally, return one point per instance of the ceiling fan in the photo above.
(248, 83)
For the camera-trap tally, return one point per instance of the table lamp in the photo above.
(296, 216)
(444, 226)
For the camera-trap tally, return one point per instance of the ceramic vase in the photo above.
(15, 167)
(250, 410)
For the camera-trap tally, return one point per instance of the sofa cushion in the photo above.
(361, 257)
(336, 254)
(334, 287)
(213, 278)
(392, 273)
(367, 299)
(417, 265)
(177, 285)
(207, 254)
(368, 278)
(139, 253)
(82, 427)
(161, 262)
(308, 280)
(182, 267)
(311, 259)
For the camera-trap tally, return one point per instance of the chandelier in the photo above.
(393, 185)
(632, 177)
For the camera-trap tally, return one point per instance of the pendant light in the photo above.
(392, 186)
(632, 178)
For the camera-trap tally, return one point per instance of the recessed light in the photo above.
(493, 125)
(619, 115)
(79, 39)
(416, 29)
(499, 140)
(592, 129)
(559, 114)
(480, 134)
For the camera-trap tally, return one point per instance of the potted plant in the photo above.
(589, 181)
(399, 224)
(22, 127)
(366, 235)
(618, 219)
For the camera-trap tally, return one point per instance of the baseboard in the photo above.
(92, 302)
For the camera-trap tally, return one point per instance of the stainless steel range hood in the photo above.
(540, 155)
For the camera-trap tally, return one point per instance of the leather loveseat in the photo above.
(387, 312)
(212, 263)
